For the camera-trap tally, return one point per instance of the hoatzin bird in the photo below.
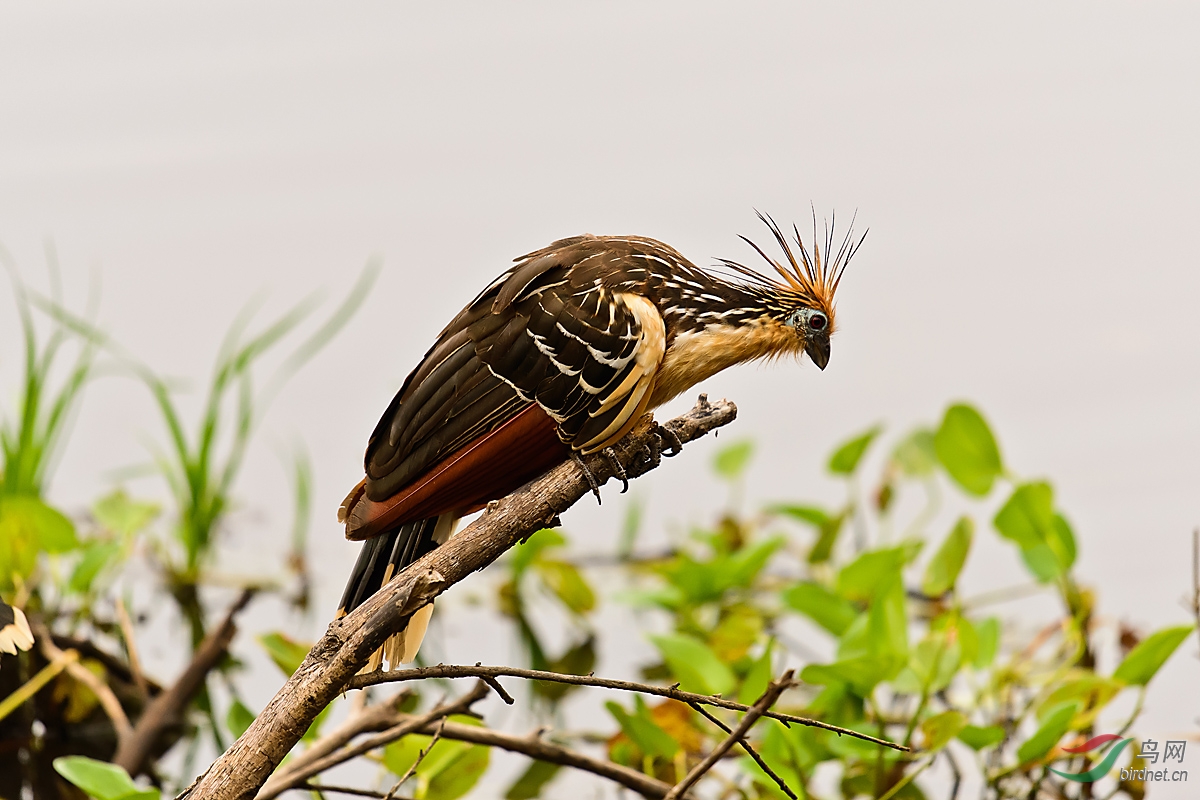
(560, 356)
(14, 630)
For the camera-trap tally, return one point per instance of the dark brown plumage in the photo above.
(564, 352)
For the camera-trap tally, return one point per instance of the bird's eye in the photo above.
(817, 322)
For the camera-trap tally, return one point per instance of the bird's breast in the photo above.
(693, 356)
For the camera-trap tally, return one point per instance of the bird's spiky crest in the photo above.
(814, 277)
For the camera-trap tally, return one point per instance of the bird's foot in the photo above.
(617, 468)
(587, 473)
(669, 444)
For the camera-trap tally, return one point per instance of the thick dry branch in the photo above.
(760, 707)
(673, 692)
(349, 642)
(165, 709)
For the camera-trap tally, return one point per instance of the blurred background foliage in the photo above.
(864, 597)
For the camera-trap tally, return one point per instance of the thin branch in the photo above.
(104, 694)
(750, 751)
(131, 650)
(774, 690)
(407, 724)
(535, 747)
(483, 673)
(349, 642)
(324, 787)
(370, 719)
(164, 710)
(408, 773)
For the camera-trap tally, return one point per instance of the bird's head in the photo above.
(803, 302)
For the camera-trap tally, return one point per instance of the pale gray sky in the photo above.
(1028, 171)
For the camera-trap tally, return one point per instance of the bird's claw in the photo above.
(617, 468)
(587, 473)
(668, 441)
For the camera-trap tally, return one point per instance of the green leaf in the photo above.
(286, 652)
(568, 584)
(1054, 725)
(449, 770)
(694, 665)
(101, 780)
(967, 449)
(989, 642)
(887, 622)
(525, 553)
(120, 514)
(531, 782)
(1150, 654)
(948, 561)
(978, 738)
(845, 459)
(238, 718)
(862, 673)
(731, 461)
(1028, 515)
(862, 578)
(940, 729)
(29, 527)
(758, 678)
(822, 606)
(643, 731)
(96, 555)
(810, 515)
(915, 455)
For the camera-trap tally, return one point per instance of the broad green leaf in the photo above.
(568, 584)
(286, 652)
(1091, 692)
(449, 770)
(810, 515)
(1054, 725)
(524, 554)
(743, 566)
(739, 629)
(934, 653)
(1061, 540)
(238, 718)
(731, 461)
(967, 449)
(119, 513)
(948, 561)
(95, 557)
(694, 665)
(822, 606)
(29, 527)
(939, 730)
(845, 459)
(531, 782)
(989, 642)
(861, 579)
(978, 738)
(1028, 515)
(861, 674)
(1150, 654)
(101, 780)
(915, 455)
(758, 678)
(822, 549)
(643, 731)
(887, 622)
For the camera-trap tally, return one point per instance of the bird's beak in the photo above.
(818, 351)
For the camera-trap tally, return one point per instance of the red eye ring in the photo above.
(817, 322)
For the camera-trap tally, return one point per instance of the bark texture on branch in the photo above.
(349, 642)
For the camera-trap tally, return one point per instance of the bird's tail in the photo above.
(14, 630)
(379, 560)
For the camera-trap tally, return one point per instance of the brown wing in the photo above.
(555, 352)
